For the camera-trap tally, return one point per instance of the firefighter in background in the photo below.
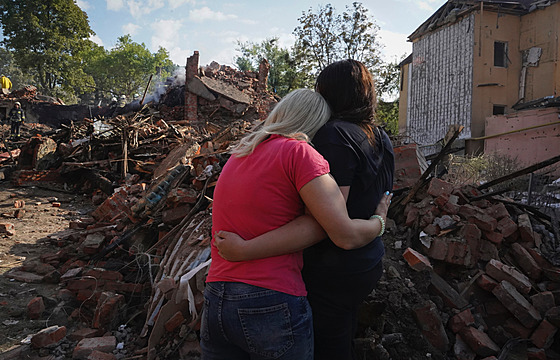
(16, 117)
(6, 84)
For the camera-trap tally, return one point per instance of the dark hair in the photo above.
(349, 89)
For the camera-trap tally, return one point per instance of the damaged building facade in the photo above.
(480, 64)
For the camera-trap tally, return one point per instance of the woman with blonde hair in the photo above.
(258, 309)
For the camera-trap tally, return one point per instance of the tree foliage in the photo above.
(46, 37)
(126, 68)
(285, 72)
(9, 68)
(325, 36)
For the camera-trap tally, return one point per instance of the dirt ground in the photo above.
(41, 218)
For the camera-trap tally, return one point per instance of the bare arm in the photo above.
(298, 234)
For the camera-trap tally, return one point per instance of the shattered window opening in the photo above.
(498, 110)
(500, 54)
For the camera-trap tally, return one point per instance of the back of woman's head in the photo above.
(299, 115)
(348, 87)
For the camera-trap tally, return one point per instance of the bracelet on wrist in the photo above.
(381, 221)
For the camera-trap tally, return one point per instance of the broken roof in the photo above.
(452, 10)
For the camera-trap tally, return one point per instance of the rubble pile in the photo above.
(468, 275)
(484, 287)
(29, 94)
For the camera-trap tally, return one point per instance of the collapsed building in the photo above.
(469, 272)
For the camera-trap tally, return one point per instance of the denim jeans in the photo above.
(241, 321)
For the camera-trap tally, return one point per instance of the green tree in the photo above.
(9, 68)
(125, 69)
(46, 37)
(387, 115)
(324, 36)
(285, 72)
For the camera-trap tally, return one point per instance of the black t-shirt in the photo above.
(368, 170)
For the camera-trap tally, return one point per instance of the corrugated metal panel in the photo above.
(441, 82)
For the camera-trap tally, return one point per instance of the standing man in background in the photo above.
(17, 117)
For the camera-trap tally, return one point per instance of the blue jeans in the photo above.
(246, 322)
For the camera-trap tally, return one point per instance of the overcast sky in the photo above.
(213, 27)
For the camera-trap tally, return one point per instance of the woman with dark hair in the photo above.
(361, 160)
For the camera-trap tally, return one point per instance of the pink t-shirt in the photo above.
(259, 193)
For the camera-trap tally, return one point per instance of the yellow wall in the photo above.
(541, 28)
(488, 29)
(403, 98)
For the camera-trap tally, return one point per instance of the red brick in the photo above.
(507, 227)
(539, 259)
(166, 285)
(107, 310)
(481, 204)
(484, 222)
(494, 237)
(7, 228)
(467, 211)
(56, 204)
(471, 234)
(431, 326)
(525, 228)
(487, 251)
(431, 229)
(486, 282)
(175, 215)
(517, 304)
(552, 274)
(19, 213)
(92, 243)
(459, 253)
(427, 220)
(526, 261)
(543, 336)
(441, 200)
(18, 204)
(437, 249)
(449, 295)
(48, 336)
(80, 284)
(102, 274)
(461, 320)
(500, 271)
(412, 217)
(416, 260)
(497, 211)
(35, 308)
(174, 322)
(86, 346)
(438, 187)
(83, 333)
(479, 341)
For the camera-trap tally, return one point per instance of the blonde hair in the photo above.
(299, 115)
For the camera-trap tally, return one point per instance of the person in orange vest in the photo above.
(16, 117)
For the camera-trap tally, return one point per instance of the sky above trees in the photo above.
(214, 27)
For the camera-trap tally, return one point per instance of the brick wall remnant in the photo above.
(191, 106)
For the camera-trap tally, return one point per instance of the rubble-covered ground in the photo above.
(106, 233)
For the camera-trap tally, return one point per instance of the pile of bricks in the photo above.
(485, 263)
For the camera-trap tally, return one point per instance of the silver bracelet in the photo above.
(382, 223)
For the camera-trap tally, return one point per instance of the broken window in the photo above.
(499, 110)
(500, 54)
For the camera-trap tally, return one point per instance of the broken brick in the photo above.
(516, 329)
(92, 243)
(526, 261)
(536, 354)
(416, 260)
(107, 310)
(500, 271)
(484, 222)
(86, 346)
(437, 249)
(507, 227)
(431, 326)
(99, 355)
(18, 204)
(486, 282)
(479, 341)
(525, 228)
(83, 333)
(553, 316)
(494, 237)
(174, 322)
(544, 334)
(48, 336)
(438, 187)
(497, 211)
(7, 228)
(461, 320)
(35, 308)
(517, 304)
(449, 295)
(487, 251)
(461, 350)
